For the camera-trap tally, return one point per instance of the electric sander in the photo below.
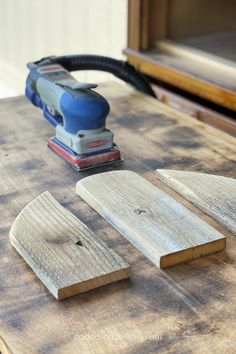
(77, 112)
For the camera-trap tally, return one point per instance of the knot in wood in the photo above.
(140, 211)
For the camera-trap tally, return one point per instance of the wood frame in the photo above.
(145, 25)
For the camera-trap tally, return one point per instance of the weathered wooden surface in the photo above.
(63, 252)
(162, 229)
(188, 308)
(215, 195)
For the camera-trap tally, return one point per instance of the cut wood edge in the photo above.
(73, 289)
(85, 286)
(193, 253)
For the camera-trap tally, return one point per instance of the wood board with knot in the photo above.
(161, 228)
(63, 252)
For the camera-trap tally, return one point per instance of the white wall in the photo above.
(31, 29)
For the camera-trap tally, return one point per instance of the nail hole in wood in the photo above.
(79, 243)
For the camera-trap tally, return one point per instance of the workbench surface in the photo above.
(188, 308)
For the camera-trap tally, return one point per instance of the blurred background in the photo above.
(32, 29)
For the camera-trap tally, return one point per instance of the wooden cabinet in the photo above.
(188, 44)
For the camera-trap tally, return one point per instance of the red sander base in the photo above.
(82, 162)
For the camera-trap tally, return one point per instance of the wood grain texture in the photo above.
(63, 252)
(189, 308)
(215, 195)
(161, 228)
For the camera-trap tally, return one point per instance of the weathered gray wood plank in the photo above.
(160, 227)
(63, 252)
(215, 195)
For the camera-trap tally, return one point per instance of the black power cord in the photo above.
(121, 69)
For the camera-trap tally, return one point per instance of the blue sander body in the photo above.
(77, 112)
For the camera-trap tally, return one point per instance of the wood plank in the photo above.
(62, 251)
(215, 195)
(161, 228)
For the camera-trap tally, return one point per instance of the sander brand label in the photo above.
(50, 68)
(94, 144)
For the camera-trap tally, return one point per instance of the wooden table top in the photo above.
(188, 308)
